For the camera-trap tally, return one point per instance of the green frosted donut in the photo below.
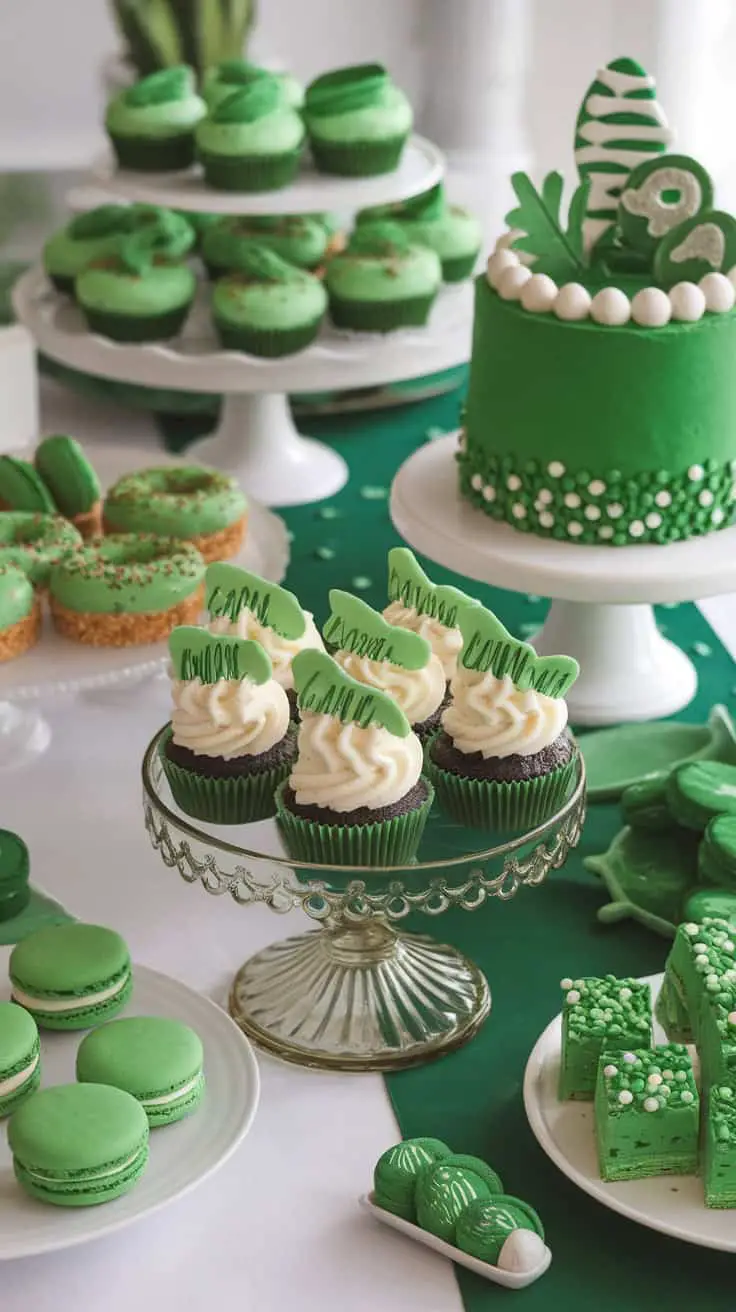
(17, 598)
(66, 471)
(187, 502)
(22, 488)
(35, 542)
(127, 573)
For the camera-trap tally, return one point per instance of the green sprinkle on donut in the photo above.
(34, 543)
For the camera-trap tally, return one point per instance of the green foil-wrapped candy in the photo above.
(443, 1193)
(396, 1172)
(484, 1226)
(478, 1167)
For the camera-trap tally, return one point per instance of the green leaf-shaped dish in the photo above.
(649, 876)
(630, 753)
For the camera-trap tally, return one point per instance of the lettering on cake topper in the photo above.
(325, 689)
(354, 626)
(660, 194)
(704, 244)
(620, 125)
(557, 247)
(488, 646)
(209, 657)
(230, 590)
(408, 584)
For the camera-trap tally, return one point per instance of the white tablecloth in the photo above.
(278, 1228)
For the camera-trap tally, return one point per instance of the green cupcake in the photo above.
(251, 141)
(300, 239)
(232, 74)
(503, 759)
(449, 230)
(356, 795)
(151, 124)
(383, 280)
(141, 294)
(357, 121)
(98, 233)
(229, 745)
(269, 308)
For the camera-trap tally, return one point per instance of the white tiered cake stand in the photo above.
(602, 597)
(256, 439)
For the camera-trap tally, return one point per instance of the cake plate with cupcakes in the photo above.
(596, 461)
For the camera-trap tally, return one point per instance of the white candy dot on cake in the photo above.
(596, 487)
(719, 292)
(572, 500)
(609, 1071)
(687, 301)
(507, 239)
(513, 482)
(651, 1104)
(706, 497)
(546, 519)
(545, 496)
(653, 520)
(512, 281)
(651, 308)
(489, 492)
(731, 275)
(476, 482)
(556, 469)
(695, 473)
(732, 1017)
(636, 528)
(625, 1097)
(573, 997)
(718, 516)
(728, 945)
(686, 1096)
(624, 994)
(574, 529)
(691, 929)
(654, 1080)
(518, 510)
(605, 532)
(611, 307)
(565, 983)
(539, 294)
(668, 1075)
(498, 263)
(592, 512)
(615, 510)
(630, 1058)
(663, 499)
(572, 302)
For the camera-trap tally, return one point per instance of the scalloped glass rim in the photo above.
(201, 835)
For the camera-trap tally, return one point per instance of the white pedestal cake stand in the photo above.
(601, 610)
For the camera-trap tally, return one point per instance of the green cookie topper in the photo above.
(408, 584)
(324, 688)
(197, 654)
(661, 194)
(704, 244)
(487, 645)
(230, 590)
(354, 626)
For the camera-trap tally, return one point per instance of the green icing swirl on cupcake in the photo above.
(159, 106)
(382, 238)
(103, 221)
(345, 90)
(162, 87)
(249, 103)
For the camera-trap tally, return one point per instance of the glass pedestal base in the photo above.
(359, 998)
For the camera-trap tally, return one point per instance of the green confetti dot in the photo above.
(434, 432)
(328, 512)
(324, 553)
(369, 493)
(533, 599)
(701, 649)
(361, 583)
(528, 629)
(289, 535)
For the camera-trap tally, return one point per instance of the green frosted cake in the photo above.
(719, 1141)
(601, 405)
(598, 1013)
(646, 1113)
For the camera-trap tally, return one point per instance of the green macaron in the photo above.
(22, 487)
(15, 892)
(76, 1145)
(20, 1057)
(71, 977)
(67, 472)
(158, 1061)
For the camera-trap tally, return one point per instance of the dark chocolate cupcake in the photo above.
(356, 795)
(230, 744)
(503, 758)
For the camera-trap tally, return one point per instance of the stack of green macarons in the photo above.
(76, 1145)
(59, 485)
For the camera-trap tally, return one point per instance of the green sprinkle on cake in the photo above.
(598, 1013)
(719, 1168)
(646, 1113)
(700, 953)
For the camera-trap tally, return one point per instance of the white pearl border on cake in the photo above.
(508, 273)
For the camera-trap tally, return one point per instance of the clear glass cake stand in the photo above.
(357, 992)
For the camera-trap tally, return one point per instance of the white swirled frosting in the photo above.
(445, 643)
(342, 766)
(233, 717)
(491, 716)
(418, 692)
(281, 650)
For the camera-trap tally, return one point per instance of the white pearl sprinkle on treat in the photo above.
(476, 482)
(651, 1104)
(706, 497)
(512, 281)
(556, 469)
(489, 492)
(596, 487)
(592, 512)
(545, 496)
(728, 945)
(630, 1058)
(711, 980)
(691, 929)
(663, 499)
(732, 1017)
(719, 292)
(686, 1096)
(625, 1097)
(610, 1071)
(687, 301)
(538, 294)
(651, 308)
(695, 473)
(615, 510)
(518, 510)
(572, 302)
(718, 516)
(652, 520)
(572, 500)
(573, 997)
(731, 275)
(605, 531)
(574, 529)
(499, 262)
(699, 947)
(513, 482)
(654, 1080)
(636, 528)
(546, 520)
(668, 1075)
(565, 983)
(610, 306)
(625, 993)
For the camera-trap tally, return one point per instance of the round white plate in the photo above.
(181, 1155)
(420, 167)
(672, 1204)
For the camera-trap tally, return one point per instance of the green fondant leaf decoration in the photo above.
(197, 654)
(487, 645)
(324, 688)
(161, 87)
(354, 626)
(259, 97)
(557, 249)
(102, 221)
(385, 237)
(408, 584)
(258, 264)
(230, 589)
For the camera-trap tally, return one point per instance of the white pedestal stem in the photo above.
(24, 735)
(628, 670)
(257, 442)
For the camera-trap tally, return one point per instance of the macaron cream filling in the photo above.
(173, 1096)
(14, 1082)
(118, 1169)
(71, 1003)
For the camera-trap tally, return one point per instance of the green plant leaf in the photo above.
(557, 250)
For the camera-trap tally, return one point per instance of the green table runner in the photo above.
(472, 1098)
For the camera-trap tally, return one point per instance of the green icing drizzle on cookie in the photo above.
(487, 645)
(209, 657)
(354, 626)
(408, 584)
(230, 589)
(324, 688)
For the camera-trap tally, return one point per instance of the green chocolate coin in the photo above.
(158, 1061)
(14, 871)
(703, 244)
(661, 194)
(67, 473)
(71, 976)
(22, 488)
(484, 1227)
(127, 573)
(75, 1145)
(700, 790)
(442, 1195)
(397, 1170)
(20, 1057)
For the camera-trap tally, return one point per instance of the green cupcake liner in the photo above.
(152, 155)
(249, 172)
(235, 801)
(136, 327)
(388, 843)
(357, 159)
(11, 904)
(380, 316)
(492, 804)
(268, 343)
(458, 267)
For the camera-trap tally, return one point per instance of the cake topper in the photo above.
(660, 194)
(488, 646)
(325, 689)
(704, 244)
(209, 657)
(557, 248)
(408, 584)
(230, 589)
(354, 626)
